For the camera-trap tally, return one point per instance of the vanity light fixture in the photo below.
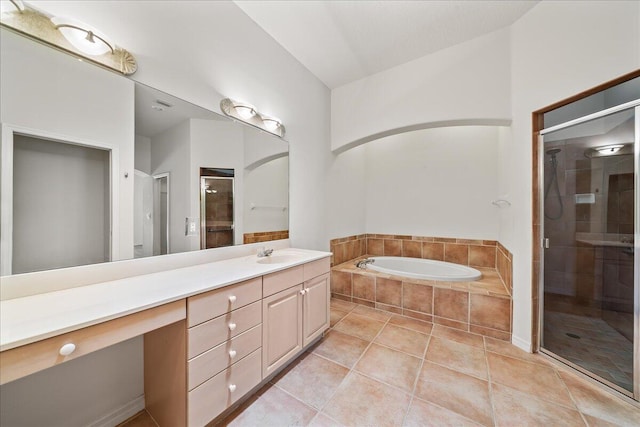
(84, 39)
(248, 114)
(66, 34)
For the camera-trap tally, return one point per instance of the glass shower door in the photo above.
(590, 278)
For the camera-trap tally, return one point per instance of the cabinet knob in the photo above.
(232, 388)
(232, 326)
(67, 349)
(302, 292)
(232, 299)
(232, 353)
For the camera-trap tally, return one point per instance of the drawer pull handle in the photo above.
(232, 353)
(67, 349)
(232, 388)
(232, 299)
(232, 326)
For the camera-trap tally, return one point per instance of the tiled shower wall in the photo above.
(474, 253)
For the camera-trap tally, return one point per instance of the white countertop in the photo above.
(33, 318)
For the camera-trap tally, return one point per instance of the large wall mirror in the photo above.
(97, 168)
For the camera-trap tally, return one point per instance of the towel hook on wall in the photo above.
(501, 203)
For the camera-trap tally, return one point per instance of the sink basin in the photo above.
(277, 259)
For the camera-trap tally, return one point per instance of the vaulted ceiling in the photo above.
(343, 41)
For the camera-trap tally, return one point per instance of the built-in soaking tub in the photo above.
(426, 269)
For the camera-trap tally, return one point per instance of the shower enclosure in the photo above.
(589, 217)
(216, 207)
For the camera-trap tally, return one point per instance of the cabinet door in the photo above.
(316, 308)
(281, 328)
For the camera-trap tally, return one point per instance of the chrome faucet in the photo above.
(363, 262)
(263, 252)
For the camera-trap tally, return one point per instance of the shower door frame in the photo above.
(540, 241)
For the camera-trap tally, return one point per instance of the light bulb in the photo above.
(245, 111)
(271, 124)
(85, 40)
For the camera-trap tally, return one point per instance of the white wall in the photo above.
(265, 192)
(142, 156)
(346, 194)
(464, 83)
(434, 182)
(260, 146)
(558, 49)
(170, 153)
(46, 91)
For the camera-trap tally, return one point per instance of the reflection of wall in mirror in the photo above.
(62, 102)
(170, 154)
(267, 197)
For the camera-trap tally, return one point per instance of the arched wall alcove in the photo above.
(421, 126)
(434, 179)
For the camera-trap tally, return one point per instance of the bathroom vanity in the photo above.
(212, 332)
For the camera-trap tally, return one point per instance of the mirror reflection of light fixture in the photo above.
(248, 114)
(609, 150)
(67, 35)
(83, 39)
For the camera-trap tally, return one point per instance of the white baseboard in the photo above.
(521, 344)
(121, 414)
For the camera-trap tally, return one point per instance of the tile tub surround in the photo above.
(482, 307)
(469, 252)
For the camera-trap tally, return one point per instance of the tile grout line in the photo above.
(351, 370)
(568, 390)
(490, 383)
(415, 382)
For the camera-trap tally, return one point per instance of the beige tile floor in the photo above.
(378, 369)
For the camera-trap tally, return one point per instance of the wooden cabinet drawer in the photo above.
(207, 306)
(211, 362)
(276, 282)
(214, 396)
(22, 361)
(316, 268)
(209, 334)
